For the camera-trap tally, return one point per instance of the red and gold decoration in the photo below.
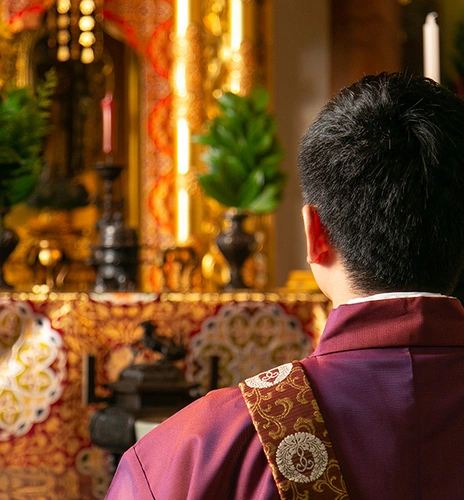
(247, 338)
(45, 446)
(145, 27)
(214, 52)
(298, 449)
(188, 52)
(33, 369)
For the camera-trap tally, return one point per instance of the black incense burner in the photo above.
(151, 391)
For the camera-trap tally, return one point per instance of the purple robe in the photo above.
(389, 378)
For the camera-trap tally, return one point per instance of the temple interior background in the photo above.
(158, 67)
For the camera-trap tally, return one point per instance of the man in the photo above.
(382, 176)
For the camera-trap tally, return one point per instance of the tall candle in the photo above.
(430, 33)
(107, 116)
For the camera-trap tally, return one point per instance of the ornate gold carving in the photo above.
(6, 54)
(244, 296)
(195, 76)
(180, 269)
(188, 101)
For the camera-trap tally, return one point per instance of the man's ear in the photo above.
(316, 237)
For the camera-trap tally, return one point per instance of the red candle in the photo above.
(107, 115)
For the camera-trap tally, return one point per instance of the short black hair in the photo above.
(383, 165)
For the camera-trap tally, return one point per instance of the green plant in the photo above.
(23, 125)
(243, 154)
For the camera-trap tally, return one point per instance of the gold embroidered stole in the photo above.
(291, 429)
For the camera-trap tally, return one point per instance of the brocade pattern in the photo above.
(247, 338)
(295, 440)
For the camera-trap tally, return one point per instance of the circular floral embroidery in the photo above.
(270, 377)
(13, 323)
(32, 368)
(302, 457)
(248, 338)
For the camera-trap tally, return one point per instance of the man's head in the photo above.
(383, 167)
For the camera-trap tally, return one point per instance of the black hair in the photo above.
(383, 165)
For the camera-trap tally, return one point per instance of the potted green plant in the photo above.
(23, 125)
(242, 157)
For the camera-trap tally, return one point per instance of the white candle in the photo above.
(107, 116)
(430, 32)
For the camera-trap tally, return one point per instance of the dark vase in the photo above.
(236, 245)
(8, 241)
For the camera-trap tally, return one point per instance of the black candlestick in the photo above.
(115, 257)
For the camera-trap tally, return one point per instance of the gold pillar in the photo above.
(182, 130)
(242, 31)
(187, 110)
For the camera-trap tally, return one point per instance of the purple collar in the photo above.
(417, 321)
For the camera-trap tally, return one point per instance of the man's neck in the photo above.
(335, 282)
(337, 287)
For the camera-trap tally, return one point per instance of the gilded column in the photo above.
(242, 30)
(188, 108)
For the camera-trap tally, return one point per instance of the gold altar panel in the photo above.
(224, 47)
